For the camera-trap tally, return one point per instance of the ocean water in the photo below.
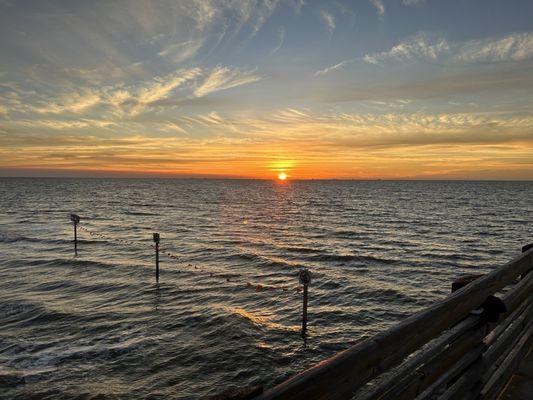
(97, 326)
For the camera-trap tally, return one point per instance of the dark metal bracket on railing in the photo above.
(491, 308)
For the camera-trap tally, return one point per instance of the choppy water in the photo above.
(97, 326)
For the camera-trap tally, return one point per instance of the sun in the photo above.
(282, 176)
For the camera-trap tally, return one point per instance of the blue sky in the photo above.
(342, 89)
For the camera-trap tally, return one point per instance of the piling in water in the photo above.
(305, 280)
(75, 221)
(156, 241)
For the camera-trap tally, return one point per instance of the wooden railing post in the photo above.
(463, 281)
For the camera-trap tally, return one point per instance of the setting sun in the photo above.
(282, 176)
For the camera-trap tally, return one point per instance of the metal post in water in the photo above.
(305, 280)
(304, 312)
(156, 241)
(75, 221)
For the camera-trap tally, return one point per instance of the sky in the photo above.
(366, 89)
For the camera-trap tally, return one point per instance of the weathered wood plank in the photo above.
(469, 384)
(520, 384)
(439, 386)
(429, 373)
(407, 371)
(501, 338)
(339, 376)
(463, 387)
(498, 379)
(518, 294)
(504, 323)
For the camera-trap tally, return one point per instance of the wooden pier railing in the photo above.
(463, 347)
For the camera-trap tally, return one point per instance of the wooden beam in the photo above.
(496, 382)
(405, 373)
(439, 387)
(468, 384)
(499, 349)
(450, 356)
(495, 334)
(463, 281)
(520, 292)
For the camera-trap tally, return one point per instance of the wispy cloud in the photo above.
(281, 39)
(133, 98)
(329, 20)
(435, 48)
(412, 2)
(74, 102)
(419, 47)
(122, 100)
(358, 129)
(222, 78)
(162, 87)
(427, 47)
(61, 124)
(297, 5)
(229, 14)
(333, 68)
(379, 6)
(516, 47)
(180, 52)
(241, 142)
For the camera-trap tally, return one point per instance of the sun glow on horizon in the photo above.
(218, 90)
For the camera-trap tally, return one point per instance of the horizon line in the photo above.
(222, 178)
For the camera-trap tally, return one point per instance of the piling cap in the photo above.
(304, 276)
(75, 218)
(156, 237)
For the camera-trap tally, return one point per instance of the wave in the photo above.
(15, 237)
(385, 295)
(139, 213)
(343, 258)
(11, 237)
(299, 249)
(349, 234)
(69, 262)
(35, 315)
(263, 262)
